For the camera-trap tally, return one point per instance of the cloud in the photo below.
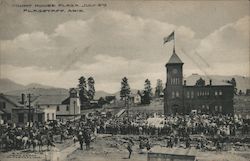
(227, 47)
(112, 44)
(108, 32)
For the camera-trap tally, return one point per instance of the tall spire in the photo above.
(174, 59)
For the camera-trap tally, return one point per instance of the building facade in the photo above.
(180, 97)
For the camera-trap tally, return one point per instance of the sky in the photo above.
(125, 38)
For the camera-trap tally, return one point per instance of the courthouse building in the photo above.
(211, 97)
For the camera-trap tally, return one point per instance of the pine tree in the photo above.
(125, 89)
(158, 88)
(83, 94)
(91, 88)
(147, 93)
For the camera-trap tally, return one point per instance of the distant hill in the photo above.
(40, 91)
(242, 83)
(36, 85)
(8, 85)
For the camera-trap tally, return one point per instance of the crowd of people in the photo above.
(14, 137)
(175, 125)
(176, 130)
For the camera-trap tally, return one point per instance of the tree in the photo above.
(158, 88)
(125, 89)
(147, 93)
(91, 88)
(83, 93)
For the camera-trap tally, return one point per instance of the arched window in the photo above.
(177, 94)
(220, 108)
(188, 94)
(173, 94)
(192, 94)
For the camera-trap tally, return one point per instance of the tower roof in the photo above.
(174, 59)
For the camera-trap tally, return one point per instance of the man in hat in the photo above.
(80, 138)
(129, 148)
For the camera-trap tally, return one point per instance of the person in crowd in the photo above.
(129, 148)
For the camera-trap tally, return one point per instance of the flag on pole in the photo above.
(169, 38)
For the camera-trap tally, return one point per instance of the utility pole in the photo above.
(29, 115)
(74, 112)
(127, 104)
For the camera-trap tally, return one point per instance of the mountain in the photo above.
(8, 85)
(40, 91)
(36, 85)
(242, 83)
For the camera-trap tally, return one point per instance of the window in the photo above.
(67, 108)
(207, 107)
(220, 93)
(192, 94)
(57, 108)
(20, 117)
(215, 93)
(188, 94)
(8, 116)
(173, 94)
(53, 116)
(3, 105)
(216, 108)
(47, 116)
(220, 108)
(47, 105)
(177, 94)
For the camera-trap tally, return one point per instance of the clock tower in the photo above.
(173, 93)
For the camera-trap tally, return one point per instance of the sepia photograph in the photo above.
(121, 80)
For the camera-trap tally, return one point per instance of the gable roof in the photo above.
(66, 101)
(174, 59)
(15, 100)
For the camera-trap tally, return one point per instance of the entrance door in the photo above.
(21, 118)
(175, 109)
(40, 117)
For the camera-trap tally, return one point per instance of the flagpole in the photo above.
(174, 43)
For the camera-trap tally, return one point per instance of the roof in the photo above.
(15, 100)
(174, 59)
(50, 99)
(66, 101)
(215, 82)
(2, 112)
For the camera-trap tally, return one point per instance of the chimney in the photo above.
(210, 82)
(185, 82)
(23, 98)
